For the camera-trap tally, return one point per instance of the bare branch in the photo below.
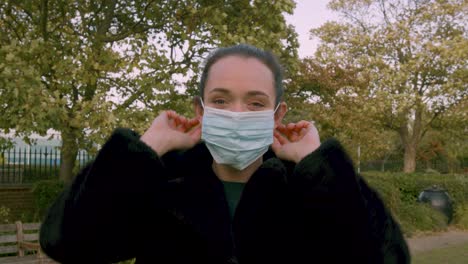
(384, 11)
(103, 27)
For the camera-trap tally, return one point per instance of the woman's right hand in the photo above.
(170, 131)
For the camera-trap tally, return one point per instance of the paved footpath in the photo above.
(440, 240)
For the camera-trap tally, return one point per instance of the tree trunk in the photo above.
(410, 158)
(382, 167)
(411, 134)
(68, 152)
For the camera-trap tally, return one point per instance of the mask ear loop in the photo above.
(202, 104)
(277, 106)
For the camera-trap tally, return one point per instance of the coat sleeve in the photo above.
(342, 218)
(100, 217)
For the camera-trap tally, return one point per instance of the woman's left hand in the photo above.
(295, 141)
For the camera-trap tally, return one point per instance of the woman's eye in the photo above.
(257, 105)
(219, 101)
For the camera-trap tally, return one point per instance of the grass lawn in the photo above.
(448, 255)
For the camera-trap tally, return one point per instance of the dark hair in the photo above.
(247, 51)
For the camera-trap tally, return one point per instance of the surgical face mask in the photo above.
(237, 139)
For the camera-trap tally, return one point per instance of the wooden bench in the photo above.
(19, 243)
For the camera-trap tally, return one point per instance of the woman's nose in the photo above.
(237, 107)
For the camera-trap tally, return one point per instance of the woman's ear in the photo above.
(197, 107)
(280, 113)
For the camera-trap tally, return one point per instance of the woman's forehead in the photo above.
(240, 74)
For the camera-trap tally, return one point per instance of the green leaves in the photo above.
(405, 61)
(86, 67)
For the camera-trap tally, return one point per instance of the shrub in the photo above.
(416, 218)
(4, 215)
(45, 192)
(461, 216)
(130, 261)
(387, 191)
(400, 193)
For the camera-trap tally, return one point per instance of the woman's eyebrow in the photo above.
(227, 91)
(220, 90)
(256, 93)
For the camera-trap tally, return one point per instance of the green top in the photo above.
(233, 192)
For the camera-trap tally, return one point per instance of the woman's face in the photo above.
(240, 84)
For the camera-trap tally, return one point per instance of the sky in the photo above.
(307, 15)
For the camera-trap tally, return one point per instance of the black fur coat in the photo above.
(130, 203)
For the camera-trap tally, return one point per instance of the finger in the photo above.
(177, 118)
(303, 133)
(294, 131)
(183, 120)
(195, 134)
(162, 117)
(291, 126)
(182, 124)
(302, 124)
(189, 124)
(193, 122)
(305, 130)
(194, 130)
(289, 131)
(186, 125)
(294, 136)
(299, 129)
(171, 114)
(276, 146)
(286, 129)
(171, 119)
(281, 128)
(281, 139)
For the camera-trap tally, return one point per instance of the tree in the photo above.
(328, 95)
(448, 147)
(84, 67)
(415, 53)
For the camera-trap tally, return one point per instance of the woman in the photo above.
(232, 185)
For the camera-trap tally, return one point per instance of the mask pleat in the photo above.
(237, 138)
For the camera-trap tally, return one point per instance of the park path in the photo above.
(438, 240)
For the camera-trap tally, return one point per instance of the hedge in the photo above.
(400, 193)
(45, 193)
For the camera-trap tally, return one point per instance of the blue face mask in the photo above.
(237, 139)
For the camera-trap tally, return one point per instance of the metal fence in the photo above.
(27, 165)
(396, 165)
